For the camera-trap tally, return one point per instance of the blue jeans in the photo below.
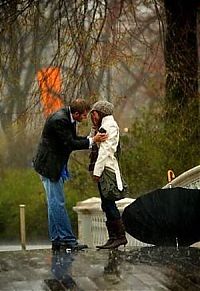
(59, 224)
(109, 207)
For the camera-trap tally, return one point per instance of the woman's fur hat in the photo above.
(104, 107)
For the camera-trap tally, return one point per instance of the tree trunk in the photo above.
(181, 56)
(181, 100)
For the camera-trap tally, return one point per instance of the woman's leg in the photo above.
(109, 207)
(114, 224)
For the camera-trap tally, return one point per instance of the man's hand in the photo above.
(100, 137)
(96, 178)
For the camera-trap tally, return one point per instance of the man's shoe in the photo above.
(78, 247)
(62, 246)
(55, 246)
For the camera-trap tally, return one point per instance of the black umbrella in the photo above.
(165, 217)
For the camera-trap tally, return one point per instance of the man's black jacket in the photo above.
(58, 140)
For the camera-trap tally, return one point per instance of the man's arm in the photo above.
(65, 135)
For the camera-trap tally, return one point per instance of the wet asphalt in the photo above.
(146, 268)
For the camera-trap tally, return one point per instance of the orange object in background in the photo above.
(50, 82)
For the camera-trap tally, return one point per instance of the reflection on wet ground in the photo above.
(147, 268)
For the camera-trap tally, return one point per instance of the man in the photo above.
(58, 140)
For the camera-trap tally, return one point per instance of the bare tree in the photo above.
(104, 49)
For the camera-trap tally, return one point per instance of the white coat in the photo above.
(107, 150)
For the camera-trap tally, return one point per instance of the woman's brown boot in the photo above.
(116, 234)
(120, 237)
(111, 235)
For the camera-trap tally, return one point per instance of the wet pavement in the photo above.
(146, 268)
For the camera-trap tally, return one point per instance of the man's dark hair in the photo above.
(79, 105)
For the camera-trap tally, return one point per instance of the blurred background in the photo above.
(141, 55)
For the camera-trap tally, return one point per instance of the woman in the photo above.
(105, 171)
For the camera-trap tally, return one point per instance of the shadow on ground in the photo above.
(146, 268)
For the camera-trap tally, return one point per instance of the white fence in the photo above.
(91, 220)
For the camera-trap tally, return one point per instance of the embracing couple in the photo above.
(58, 140)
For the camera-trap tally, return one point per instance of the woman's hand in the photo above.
(96, 178)
(100, 137)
